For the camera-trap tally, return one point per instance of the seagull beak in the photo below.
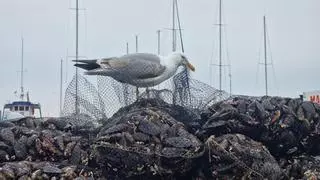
(190, 66)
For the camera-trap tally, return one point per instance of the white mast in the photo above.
(61, 80)
(158, 33)
(179, 27)
(220, 46)
(265, 53)
(174, 37)
(137, 48)
(22, 89)
(220, 53)
(127, 44)
(77, 55)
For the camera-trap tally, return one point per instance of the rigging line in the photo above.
(272, 65)
(211, 61)
(67, 39)
(226, 46)
(224, 66)
(182, 48)
(217, 12)
(224, 35)
(228, 60)
(212, 52)
(86, 30)
(225, 77)
(275, 79)
(179, 25)
(212, 58)
(66, 68)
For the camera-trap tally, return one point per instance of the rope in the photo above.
(240, 164)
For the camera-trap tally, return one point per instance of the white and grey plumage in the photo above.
(139, 69)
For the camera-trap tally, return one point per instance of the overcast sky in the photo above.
(48, 28)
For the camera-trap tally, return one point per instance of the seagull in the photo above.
(138, 69)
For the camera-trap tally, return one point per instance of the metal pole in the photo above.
(61, 79)
(66, 74)
(173, 27)
(179, 25)
(22, 90)
(127, 48)
(77, 54)
(220, 47)
(265, 53)
(137, 44)
(230, 80)
(137, 89)
(158, 32)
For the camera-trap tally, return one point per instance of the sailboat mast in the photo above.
(61, 80)
(137, 44)
(265, 53)
(158, 33)
(127, 47)
(230, 80)
(22, 89)
(220, 45)
(174, 40)
(77, 55)
(179, 27)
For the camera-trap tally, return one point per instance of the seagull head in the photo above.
(179, 59)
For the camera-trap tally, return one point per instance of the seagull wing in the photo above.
(139, 65)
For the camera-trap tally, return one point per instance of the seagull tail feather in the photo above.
(87, 64)
(87, 61)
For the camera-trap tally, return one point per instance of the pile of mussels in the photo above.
(239, 138)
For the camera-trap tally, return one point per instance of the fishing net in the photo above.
(89, 99)
(108, 96)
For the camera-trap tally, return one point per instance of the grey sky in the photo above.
(48, 29)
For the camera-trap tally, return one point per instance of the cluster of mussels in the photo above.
(288, 128)
(26, 170)
(239, 138)
(32, 148)
(146, 141)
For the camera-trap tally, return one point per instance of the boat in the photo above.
(313, 96)
(22, 107)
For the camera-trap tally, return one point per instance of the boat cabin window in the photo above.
(16, 108)
(27, 108)
(21, 108)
